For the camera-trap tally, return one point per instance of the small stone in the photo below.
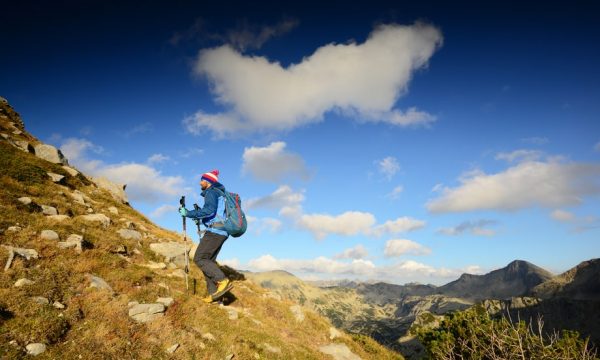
(14, 229)
(35, 349)
(55, 177)
(89, 210)
(73, 241)
(49, 235)
(180, 273)
(98, 283)
(78, 197)
(209, 337)
(156, 266)
(101, 218)
(70, 170)
(271, 349)
(25, 200)
(58, 218)
(129, 234)
(58, 305)
(172, 349)
(132, 304)
(113, 210)
(40, 300)
(232, 313)
(167, 301)
(229, 357)
(49, 210)
(23, 282)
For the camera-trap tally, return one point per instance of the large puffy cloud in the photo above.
(399, 247)
(273, 163)
(283, 196)
(357, 252)
(364, 80)
(550, 183)
(144, 183)
(400, 225)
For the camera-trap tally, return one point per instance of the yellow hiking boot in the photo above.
(208, 299)
(222, 285)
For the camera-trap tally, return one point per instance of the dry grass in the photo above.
(94, 323)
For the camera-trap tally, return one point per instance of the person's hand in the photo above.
(183, 211)
(197, 221)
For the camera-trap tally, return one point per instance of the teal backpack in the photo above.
(235, 220)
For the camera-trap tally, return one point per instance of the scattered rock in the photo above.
(229, 357)
(172, 349)
(270, 348)
(78, 197)
(12, 251)
(298, 313)
(101, 218)
(209, 337)
(130, 234)
(98, 283)
(35, 349)
(166, 301)
(180, 273)
(119, 249)
(17, 132)
(25, 200)
(172, 251)
(58, 305)
(89, 210)
(73, 241)
(23, 282)
(49, 235)
(14, 228)
(55, 177)
(116, 191)
(40, 300)
(113, 210)
(70, 170)
(334, 333)
(132, 303)
(50, 153)
(146, 312)
(57, 217)
(25, 146)
(49, 210)
(232, 312)
(156, 266)
(339, 352)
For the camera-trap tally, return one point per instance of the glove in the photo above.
(183, 211)
(197, 221)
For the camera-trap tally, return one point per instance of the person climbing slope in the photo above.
(211, 214)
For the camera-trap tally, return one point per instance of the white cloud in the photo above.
(477, 228)
(400, 225)
(158, 158)
(399, 247)
(273, 163)
(162, 210)
(531, 183)
(562, 215)
(144, 183)
(261, 225)
(233, 263)
(137, 129)
(357, 252)
(282, 197)
(349, 223)
(520, 155)
(388, 167)
(363, 79)
(395, 194)
(247, 36)
(325, 268)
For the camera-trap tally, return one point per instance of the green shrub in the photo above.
(473, 334)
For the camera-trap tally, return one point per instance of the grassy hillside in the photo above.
(59, 306)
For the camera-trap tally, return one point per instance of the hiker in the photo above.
(210, 214)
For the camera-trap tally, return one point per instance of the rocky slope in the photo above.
(85, 276)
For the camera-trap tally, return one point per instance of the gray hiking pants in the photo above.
(206, 259)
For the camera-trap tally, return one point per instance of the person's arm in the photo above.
(209, 208)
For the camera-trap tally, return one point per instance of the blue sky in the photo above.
(381, 140)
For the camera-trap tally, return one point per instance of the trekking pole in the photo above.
(185, 252)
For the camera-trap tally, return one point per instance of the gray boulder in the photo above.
(73, 241)
(339, 352)
(24, 200)
(49, 235)
(23, 282)
(101, 218)
(49, 210)
(172, 251)
(55, 177)
(117, 191)
(50, 153)
(35, 349)
(146, 312)
(129, 234)
(70, 170)
(98, 283)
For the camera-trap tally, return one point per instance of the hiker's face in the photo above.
(204, 184)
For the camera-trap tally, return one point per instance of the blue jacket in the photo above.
(213, 210)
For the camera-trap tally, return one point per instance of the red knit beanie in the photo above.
(212, 176)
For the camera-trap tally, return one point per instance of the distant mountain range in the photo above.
(386, 311)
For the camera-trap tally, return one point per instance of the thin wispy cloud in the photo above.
(520, 155)
(247, 36)
(357, 252)
(388, 167)
(536, 140)
(477, 228)
(396, 192)
(364, 80)
(400, 247)
(158, 158)
(137, 129)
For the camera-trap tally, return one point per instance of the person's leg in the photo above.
(205, 257)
